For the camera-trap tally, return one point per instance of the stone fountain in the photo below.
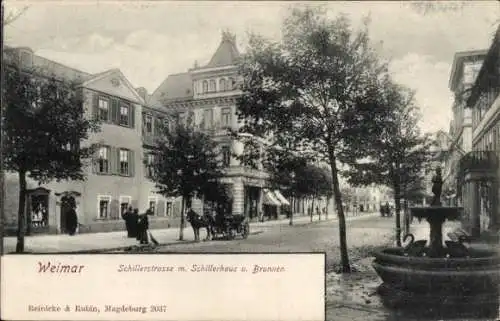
(436, 276)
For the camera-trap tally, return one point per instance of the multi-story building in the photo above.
(482, 174)
(208, 95)
(465, 68)
(115, 178)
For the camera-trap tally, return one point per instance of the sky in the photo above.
(148, 41)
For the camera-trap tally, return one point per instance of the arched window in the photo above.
(222, 84)
(212, 85)
(205, 86)
(230, 84)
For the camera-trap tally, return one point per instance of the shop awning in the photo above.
(270, 199)
(281, 198)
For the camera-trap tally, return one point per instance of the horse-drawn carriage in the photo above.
(225, 226)
(228, 226)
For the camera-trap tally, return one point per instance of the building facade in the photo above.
(484, 100)
(475, 130)
(208, 95)
(465, 67)
(116, 177)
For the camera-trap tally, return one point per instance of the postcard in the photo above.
(250, 160)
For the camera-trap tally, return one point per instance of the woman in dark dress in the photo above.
(130, 222)
(143, 226)
(72, 221)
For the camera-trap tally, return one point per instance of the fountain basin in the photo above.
(444, 280)
(444, 212)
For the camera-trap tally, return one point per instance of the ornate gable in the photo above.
(114, 83)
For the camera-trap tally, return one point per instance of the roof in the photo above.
(175, 87)
(47, 67)
(227, 53)
(488, 74)
(153, 103)
(458, 60)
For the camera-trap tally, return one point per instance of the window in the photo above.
(26, 59)
(150, 161)
(208, 118)
(226, 117)
(230, 84)
(103, 160)
(124, 161)
(103, 109)
(205, 86)
(103, 206)
(168, 209)
(37, 102)
(124, 115)
(148, 124)
(125, 202)
(152, 204)
(212, 86)
(183, 118)
(226, 155)
(222, 84)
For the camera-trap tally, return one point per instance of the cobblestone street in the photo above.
(364, 234)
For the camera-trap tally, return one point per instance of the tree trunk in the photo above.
(327, 207)
(320, 201)
(21, 217)
(312, 209)
(406, 214)
(291, 210)
(181, 227)
(397, 204)
(344, 256)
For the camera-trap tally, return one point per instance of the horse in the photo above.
(198, 221)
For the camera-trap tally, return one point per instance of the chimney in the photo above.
(142, 92)
(228, 36)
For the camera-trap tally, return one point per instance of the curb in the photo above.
(114, 249)
(121, 248)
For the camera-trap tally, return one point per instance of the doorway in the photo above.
(37, 210)
(67, 205)
(251, 201)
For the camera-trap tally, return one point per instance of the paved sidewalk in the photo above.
(118, 239)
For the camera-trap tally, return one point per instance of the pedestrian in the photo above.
(143, 226)
(128, 217)
(72, 221)
(136, 221)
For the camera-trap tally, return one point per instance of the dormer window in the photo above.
(222, 84)
(26, 59)
(230, 84)
(212, 86)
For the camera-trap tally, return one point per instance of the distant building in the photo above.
(116, 177)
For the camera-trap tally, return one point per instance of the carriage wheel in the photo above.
(231, 233)
(246, 230)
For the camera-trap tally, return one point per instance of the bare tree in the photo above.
(12, 15)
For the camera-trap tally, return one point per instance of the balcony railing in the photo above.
(479, 161)
(148, 139)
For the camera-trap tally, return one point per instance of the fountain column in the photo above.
(476, 208)
(436, 235)
(494, 191)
